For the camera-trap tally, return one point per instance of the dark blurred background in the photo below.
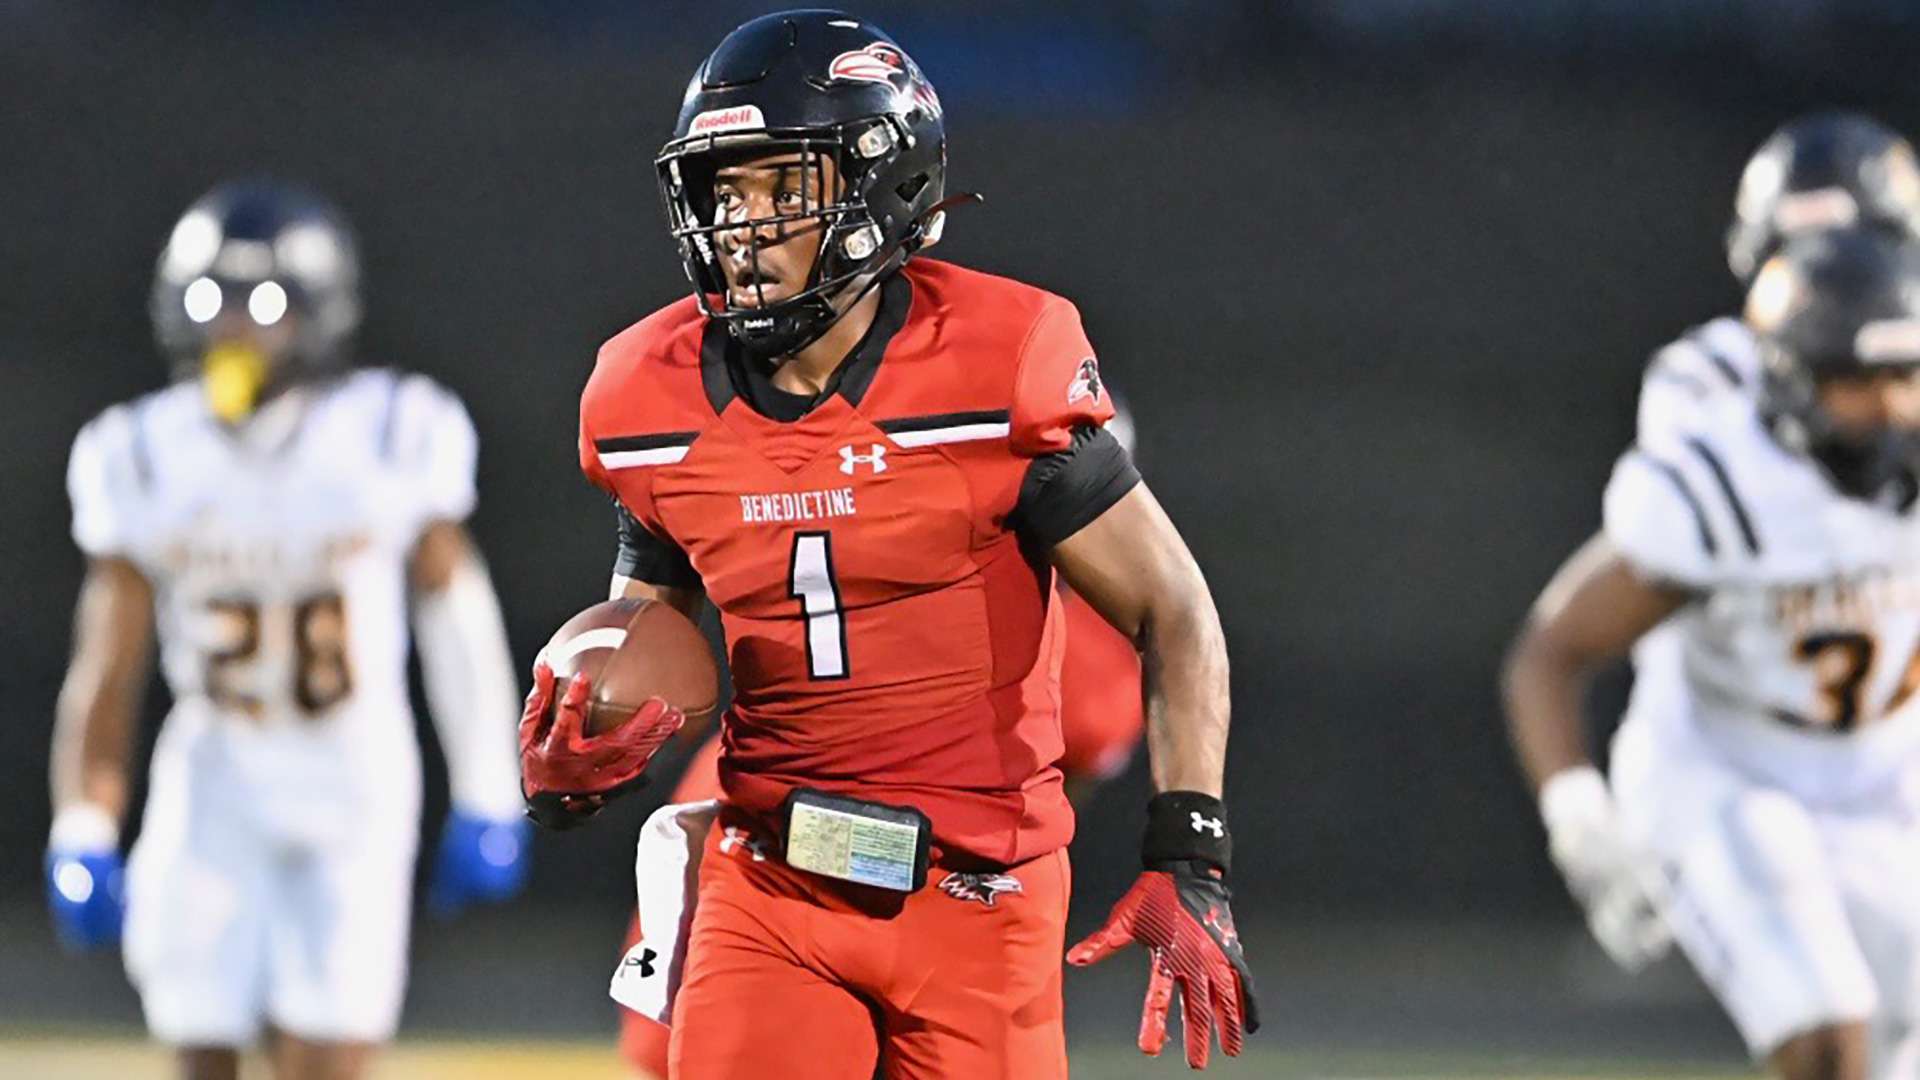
(1378, 278)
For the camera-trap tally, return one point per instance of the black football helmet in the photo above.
(261, 252)
(816, 84)
(1840, 304)
(1822, 171)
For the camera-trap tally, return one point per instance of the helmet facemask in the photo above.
(864, 233)
(1879, 464)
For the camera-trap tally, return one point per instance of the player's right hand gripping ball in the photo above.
(1178, 908)
(615, 683)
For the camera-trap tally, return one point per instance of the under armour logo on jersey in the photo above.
(1203, 824)
(735, 837)
(1086, 382)
(985, 888)
(877, 458)
(644, 962)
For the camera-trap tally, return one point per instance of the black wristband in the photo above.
(1187, 825)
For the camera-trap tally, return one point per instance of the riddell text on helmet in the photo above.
(734, 119)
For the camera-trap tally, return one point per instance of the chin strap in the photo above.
(933, 223)
(858, 290)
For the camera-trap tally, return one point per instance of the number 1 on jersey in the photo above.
(810, 581)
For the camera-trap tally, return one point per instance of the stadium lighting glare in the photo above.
(499, 846)
(74, 882)
(194, 243)
(267, 303)
(203, 300)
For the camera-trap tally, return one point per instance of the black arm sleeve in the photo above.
(643, 556)
(1064, 491)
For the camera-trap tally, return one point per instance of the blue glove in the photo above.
(480, 861)
(87, 893)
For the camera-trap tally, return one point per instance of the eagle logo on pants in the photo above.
(985, 888)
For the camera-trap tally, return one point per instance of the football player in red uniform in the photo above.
(873, 469)
(1101, 724)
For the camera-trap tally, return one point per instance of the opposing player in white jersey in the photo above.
(276, 514)
(1761, 557)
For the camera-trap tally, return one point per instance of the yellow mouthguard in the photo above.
(233, 376)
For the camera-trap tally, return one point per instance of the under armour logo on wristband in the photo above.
(1203, 824)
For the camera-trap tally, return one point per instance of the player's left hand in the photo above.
(481, 861)
(1178, 908)
(86, 880)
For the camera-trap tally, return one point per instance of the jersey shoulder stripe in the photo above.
(121, 463)
(140, 451)
(400, 416)
(1678, 480)
(1716, 357)
(1742, 519)
(408, 424)
(1725, 368)
(936, 421)
(139, 433)
(666, 439)
(971, 426)
(639, 451)
(389, 413)
(1714, 343)
(994, 342)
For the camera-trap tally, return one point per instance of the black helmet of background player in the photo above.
(256, 290)
(811, 84)
(1837, 315)
(1823, 171)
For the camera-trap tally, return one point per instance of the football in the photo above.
(632, 650)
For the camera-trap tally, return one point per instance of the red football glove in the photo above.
(566, 775)
(1180, 914)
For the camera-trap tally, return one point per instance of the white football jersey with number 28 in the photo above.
(1801, 661)
(278, 557)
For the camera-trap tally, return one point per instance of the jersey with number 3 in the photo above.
(890, 634)
(1799, 658)
(277, 556)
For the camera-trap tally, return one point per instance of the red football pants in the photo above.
(800, 977)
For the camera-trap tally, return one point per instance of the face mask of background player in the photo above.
(248, 339)
(1861, 407)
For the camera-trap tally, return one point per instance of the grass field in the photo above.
(123, 1057)
(1344, 1000)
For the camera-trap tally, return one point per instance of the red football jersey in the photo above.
(889, 636)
